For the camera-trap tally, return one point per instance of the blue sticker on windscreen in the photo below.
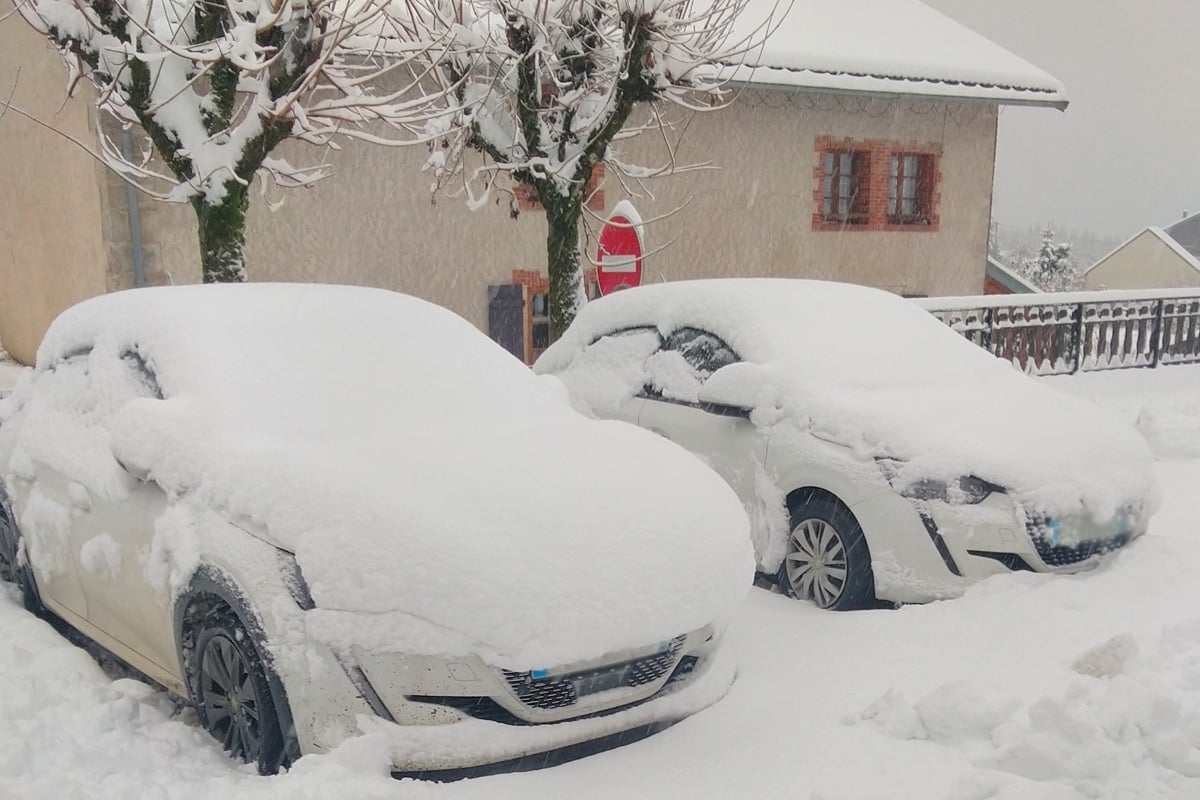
(538, 673)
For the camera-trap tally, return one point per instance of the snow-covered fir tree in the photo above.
(1053, 269)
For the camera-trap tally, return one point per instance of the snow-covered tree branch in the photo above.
(217, 85)
(545, 86)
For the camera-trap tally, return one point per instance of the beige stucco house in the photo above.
(1154, 258)
(860, 147)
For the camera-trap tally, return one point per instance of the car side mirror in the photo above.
(139, 472)
(741, 386)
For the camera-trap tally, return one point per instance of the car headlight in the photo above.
(967, 490)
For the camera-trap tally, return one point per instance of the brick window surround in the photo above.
(896, 185)
(536, 323)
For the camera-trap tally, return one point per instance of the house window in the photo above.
(845, 189)
(910, 189)
(876, 185)
(539, 323)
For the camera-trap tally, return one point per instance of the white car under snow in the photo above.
(317, 511)
(882, 457)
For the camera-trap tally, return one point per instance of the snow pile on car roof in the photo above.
(417, 471)
(878, 373)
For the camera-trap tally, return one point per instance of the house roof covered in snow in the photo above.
(883, 47)
(1008, 277)
(1187, 233)
(1164, 236)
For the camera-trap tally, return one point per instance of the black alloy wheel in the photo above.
(232, 695)
(8, 547)
(15, 568)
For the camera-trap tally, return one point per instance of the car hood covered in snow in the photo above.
(879, 374)
(424, 479)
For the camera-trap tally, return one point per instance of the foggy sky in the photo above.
(1126, 153)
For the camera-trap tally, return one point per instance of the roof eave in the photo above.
(1055, 102)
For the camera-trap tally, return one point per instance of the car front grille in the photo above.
(561, 691)
(1046, 534)
(486, 708)
(541, 693)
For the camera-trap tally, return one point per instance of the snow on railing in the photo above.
(1067, 332)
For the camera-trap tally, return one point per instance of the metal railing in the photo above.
(1058, 334)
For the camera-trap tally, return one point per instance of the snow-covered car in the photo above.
(881, 456)
(321, 511)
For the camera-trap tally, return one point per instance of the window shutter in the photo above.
(506, 317)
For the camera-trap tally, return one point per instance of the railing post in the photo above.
(985, 338)
(1078, 338)
(1156, 336)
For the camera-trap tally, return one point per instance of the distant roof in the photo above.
(884, 46)
(1187, 233)
(1189, 257)
(1007, 277)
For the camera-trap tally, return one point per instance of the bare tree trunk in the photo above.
(562, 252)
(223, 235)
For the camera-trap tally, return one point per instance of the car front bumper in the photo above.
(477, 743)
(931, 550)
(998, 536)
(434, 715)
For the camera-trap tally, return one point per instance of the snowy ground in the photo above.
(1028, 688)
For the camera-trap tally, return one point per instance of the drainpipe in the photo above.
(135, 218)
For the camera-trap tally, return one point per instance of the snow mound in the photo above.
(1162, 403)
(951, 714)
(1109, 659)
(424, 479)
(1125, 727)
(879, 374)
(1138, 729)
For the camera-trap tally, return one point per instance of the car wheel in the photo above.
(29, 593)
(14, 567)
(229, 686)
(827, 560)
(8, 547)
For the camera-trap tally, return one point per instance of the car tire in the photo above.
(15, 567)
(231, 693)
(29, 593)
(8, 547)
(827, 561)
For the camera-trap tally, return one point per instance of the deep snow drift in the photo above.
(1030, 687)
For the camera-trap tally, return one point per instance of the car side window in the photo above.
(612, 368)
(142, 373)
(687, 358)
(75, 359)
(77, 399)
(645, 332)
(705, 352)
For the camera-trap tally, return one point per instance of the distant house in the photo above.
(1154, 258)
(999, 278)
(1187, 233)
(860, 147)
